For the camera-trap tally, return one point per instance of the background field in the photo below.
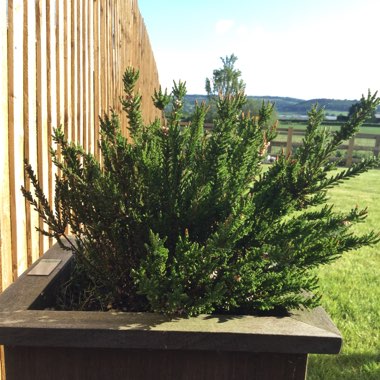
(351, 292)
(366, 144)
(301, 125)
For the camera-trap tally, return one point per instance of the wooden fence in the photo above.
(61, 63)
(289, 139)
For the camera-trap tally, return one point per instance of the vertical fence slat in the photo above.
(97, 71)
(31, 120)
(42, 126)
(16, 135)
(104, 62)
(27, 124)
(109, 42)
(5, 212)
(74, 69)
(123, 20)
(84, 56)
(67, 67)
(79, 88)
(60, 62)
(105, 76)
(108, 74)
(91, 53)
(11, 137)
(51, 95)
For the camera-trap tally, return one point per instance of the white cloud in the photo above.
(224, 26)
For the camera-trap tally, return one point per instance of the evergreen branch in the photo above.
(363, 112)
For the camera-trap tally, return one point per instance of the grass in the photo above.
(351, 292)
(333, 126)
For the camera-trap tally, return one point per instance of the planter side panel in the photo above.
(42, 363)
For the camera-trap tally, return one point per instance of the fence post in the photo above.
(289, 142)
(377, 147)
(350, 151)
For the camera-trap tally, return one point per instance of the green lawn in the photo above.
(351, 289)
(302, 126)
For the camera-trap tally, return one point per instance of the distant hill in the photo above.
(289, 105)
(300, 106)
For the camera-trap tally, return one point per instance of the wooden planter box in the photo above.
(46, 344)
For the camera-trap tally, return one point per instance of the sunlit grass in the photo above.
(334, 127)
(351, 292)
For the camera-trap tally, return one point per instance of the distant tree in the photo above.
(225, 80)
(253, 107)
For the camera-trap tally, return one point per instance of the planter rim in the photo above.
(22, 325)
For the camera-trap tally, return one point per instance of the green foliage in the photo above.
(224, 83)
(253, 106)
(225, 80)
(357, 107)
(182, 221)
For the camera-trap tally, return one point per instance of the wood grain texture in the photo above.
(5, 199)
(61, 64)
(94, 364)
(16, 134)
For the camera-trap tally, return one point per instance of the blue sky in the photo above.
(298, 48)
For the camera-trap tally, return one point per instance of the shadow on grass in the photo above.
(344, 367)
